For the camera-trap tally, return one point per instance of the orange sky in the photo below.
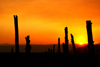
(45, 20)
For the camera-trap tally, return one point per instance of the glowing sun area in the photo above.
(81, 43)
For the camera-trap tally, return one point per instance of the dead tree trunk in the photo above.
(16, 34)
(90, 38)
(73, 44)
(66, 40)
(28, 46)
(58, 45)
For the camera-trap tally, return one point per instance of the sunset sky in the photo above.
(45, 20)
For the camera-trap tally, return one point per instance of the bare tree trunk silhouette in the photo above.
(16, 34)
(58, 45)
(90, 43)
(73, 44)
(90, 38)
(28, 46)
(66, 40)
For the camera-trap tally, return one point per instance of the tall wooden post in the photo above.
(66, 40)
(90, 38)
(58, 45)
(28, 46)
(16, 34)
(73, 44)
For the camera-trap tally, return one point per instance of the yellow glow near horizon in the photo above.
(81, 43)
(81, 40)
